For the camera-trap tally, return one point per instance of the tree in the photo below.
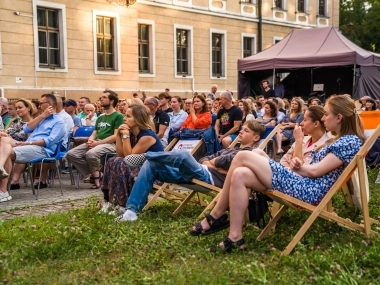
(365, 16)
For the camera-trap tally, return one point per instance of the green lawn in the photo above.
(81, 247)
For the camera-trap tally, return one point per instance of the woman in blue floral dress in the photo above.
(309, 183)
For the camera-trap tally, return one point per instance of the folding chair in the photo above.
(324, 208)
(198, 186)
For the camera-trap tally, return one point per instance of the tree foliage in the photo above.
(365, 17)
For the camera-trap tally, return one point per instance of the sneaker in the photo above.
(127, 216)
(4, 196)
(135, 160)
(3, 173)
(42, 185)
(106, 208)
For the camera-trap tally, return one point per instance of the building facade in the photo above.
(80, 47)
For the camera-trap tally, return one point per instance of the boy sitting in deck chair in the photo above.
(181, 167)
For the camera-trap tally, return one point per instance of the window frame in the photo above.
(252, 36)
(61, 8)
(152, 48)
(224, 54)
(190, 67)
(275, 38)
(116, 44)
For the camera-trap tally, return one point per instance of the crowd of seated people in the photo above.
(138, 130)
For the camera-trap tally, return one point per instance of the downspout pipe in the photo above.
(260, 26)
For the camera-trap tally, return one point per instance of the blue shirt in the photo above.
(51, 130)
(76, 120)
(278, 90)
(177, 120)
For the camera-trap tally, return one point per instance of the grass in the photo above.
(81, 247)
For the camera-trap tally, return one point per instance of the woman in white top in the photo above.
(178, 116)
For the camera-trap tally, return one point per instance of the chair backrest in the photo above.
(85, 131)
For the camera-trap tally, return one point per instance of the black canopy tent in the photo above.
(313, 56)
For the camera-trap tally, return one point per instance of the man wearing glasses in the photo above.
(46, 132)
(160, 118)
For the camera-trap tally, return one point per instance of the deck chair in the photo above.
(324, 208)
(163, 190)
(198, 186)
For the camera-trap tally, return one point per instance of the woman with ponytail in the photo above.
(308, 183)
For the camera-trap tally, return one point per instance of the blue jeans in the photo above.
(173, 167)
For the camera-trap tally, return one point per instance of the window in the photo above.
(105, 42)
(48, 37)
(248, 46)
(107, 59)
(146, 48)
(278, 4)
(322, 8)
(218, 54)
(50, 44)
(301, 6)
(182, 40)
(277, 40)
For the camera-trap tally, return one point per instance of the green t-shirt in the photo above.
(106, 125)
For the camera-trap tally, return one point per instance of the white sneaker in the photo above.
(106, 208)
(127, 216)
(4, 196)
(3, 173)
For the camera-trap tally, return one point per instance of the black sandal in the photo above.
(216, 225)
(229, 246)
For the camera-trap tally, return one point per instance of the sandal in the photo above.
(216, 225)
(229, 246)
(92, 178)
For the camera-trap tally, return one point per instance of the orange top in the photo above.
(203, 121)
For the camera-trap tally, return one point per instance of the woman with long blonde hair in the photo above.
(308, 183)
(135, 136)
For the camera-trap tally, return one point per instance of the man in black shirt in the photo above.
(165, 99)
(267, 91)
(181, 167)
(228, 120)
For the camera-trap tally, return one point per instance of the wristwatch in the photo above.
(124, 136)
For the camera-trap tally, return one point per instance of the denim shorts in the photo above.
(26, 153)
(233, 137)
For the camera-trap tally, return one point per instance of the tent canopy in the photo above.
(319, 47)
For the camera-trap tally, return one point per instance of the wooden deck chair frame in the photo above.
(198, 186)
(163, 190)
(324, 208)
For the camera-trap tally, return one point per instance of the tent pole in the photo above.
(353, 85)
(311, 80)
(274, 75)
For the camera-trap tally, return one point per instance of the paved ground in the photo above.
(49, 200)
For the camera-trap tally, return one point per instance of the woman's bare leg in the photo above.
(243, 158)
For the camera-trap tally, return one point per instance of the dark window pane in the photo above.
(184, 67)
(53, 18)
(108, 45)
(41, 17)
(100, 45)
(184, 53)
(99, 25)
(54, 57)
(109, 60)
(144, 32)
(100, 60)
(145, 64)
(144, 50)
(42, 42)
(178, 53)
(53, 40)
(43, 56)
